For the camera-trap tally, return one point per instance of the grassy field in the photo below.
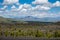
(30, 29)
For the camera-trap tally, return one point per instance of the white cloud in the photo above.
(38, 7)
(24, 6)
(21, 7)
(46, 8)
(26, 12)
(3, 8)
(57, 3)
(10, 1)
(40, 1)
(43, 4)
(18, 3)
(13, 7)
(39, 11)
(45, 14)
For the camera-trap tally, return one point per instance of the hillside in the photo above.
(10, 20)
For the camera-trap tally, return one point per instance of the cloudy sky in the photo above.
(34, 8)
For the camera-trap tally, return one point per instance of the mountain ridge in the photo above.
(30, 18)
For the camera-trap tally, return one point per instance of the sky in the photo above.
(34, 8)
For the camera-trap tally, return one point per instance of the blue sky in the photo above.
(35, 8)
(29, 1)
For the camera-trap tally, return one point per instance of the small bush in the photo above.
(48, 35)
(39, 34)
(57, 34)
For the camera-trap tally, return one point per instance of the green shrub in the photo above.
(57, 34)
(49, 34)
(0, 33)
(31, 33)
(39, 34)
(6, 33)
(12, 34)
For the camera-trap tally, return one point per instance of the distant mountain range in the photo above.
(30, 18)
(45, 19)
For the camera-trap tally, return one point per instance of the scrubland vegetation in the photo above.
(30, 29)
